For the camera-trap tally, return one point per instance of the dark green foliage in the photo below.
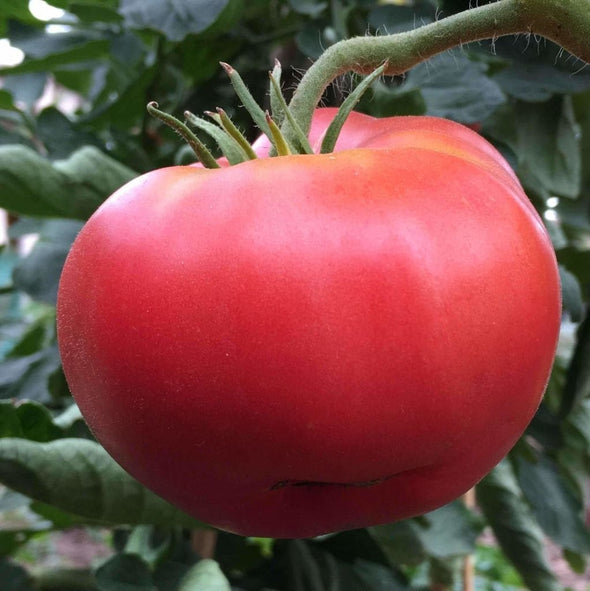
(60, 159)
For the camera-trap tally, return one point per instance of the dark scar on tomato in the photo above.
(317, 483)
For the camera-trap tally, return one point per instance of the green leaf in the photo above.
(351, 545)
(555, 160)
(573, 298)
(493, 565)
(582, 108)
(38, 43)
(14, 125)
(180, 557)
(576, 430)
(124, 572)
(6, 100)
(60, 136)
(91, 51)
(29, 377)
(29, 420)
(90, 176)
(67, 4)
(501, 501)
(375, 577)
(536, 71)
(25, 517)
(95, 12)
(65, 579)
(558, 512)
(455, 87)
(34, 337)
(29, 184)
(38, 273)
(546, 140)
(325, 565)
(144, 541)
(46, 51)
(174, 19)
(33, 421)
(78, 78)
(400, 542)
(14, 11)
(10, 541)
(577, 562)
(78, 476)
(537, 82)
(57, 518)
(73, 188)
(26, 88)
(577, 385)
(450, 531)
(445, 533)
(123, 104)
(205, 576)
(14, 578)
(441, 573)
(386, 101)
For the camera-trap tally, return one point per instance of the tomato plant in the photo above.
(297, 345)
(405, 295)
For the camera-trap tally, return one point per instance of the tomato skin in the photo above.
(305, 344)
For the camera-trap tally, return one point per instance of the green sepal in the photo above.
(226, 143)
(247, 99)
(228, 125)
(347, 106)
(276, 96)
(275, 90)
(278, 138)
(201, 152)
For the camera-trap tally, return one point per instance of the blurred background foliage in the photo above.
(76, 76)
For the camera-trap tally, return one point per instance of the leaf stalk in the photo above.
(566, 22)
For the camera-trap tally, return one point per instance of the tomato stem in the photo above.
(567, 22)
(347, 106)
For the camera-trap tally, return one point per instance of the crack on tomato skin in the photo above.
(318, 483)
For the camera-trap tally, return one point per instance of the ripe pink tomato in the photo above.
(310, 343)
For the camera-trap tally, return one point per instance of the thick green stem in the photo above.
(566, 22)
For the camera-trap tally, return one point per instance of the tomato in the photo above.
(310, 343)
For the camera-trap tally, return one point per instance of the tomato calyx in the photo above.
(201, 151)
(233, 144)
